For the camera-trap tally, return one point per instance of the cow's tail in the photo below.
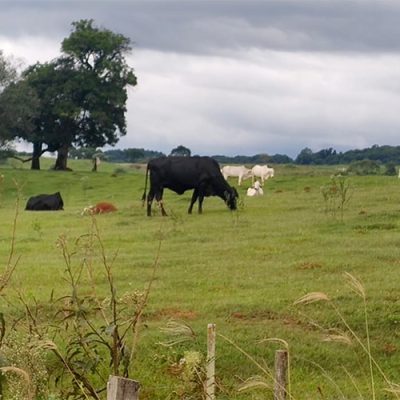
(145, 186)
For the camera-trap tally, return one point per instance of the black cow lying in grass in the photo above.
(180, 174)
(45, 202)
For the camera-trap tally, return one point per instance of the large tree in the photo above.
(83, 93)
(7, 73)
(18, 105)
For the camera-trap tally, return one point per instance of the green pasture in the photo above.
(242, 271)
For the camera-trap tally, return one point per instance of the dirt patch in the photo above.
(389, 348)
(266, 315)
(255, 315)
(175, 313)
(309, 265)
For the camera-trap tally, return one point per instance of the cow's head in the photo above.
(231, 195)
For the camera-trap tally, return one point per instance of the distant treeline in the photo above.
(131, 155)
(380, 154)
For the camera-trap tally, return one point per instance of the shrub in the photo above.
(364, 167)
(390, 169)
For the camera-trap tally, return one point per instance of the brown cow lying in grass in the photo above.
(99, 208)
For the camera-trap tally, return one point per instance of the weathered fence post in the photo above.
(119, 388)
(281, 374)
(210, 384)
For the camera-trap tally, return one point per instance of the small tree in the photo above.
(364, 167)
(180, 151)
(390, 169)
(305, 157)
(336, 195)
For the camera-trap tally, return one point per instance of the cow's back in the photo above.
(182, 173)
(45, 202)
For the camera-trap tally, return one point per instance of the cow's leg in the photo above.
(239, 180)
(163, 213)
(159, 196)
(201, 198)
(193, 200)
(150, 198)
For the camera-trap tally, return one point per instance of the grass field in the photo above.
(242, 271)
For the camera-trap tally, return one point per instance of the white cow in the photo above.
(236, 170)
(255, 190)
(262, 171)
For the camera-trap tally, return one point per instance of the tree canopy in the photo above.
(180, 151)
(18, 106)
(82, 94)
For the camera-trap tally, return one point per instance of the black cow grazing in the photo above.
(180, 174)
(45, 202)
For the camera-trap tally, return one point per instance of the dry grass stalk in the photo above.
(353, 381)
(286, 345)
(11, 264)
(276, 340)
(340, 394)
(138, 318)
(393, 388)
(265, 369)
(338, 338)
(254, 382)
(180, 331)
(312, 298)
(358, 288)
(355, 285)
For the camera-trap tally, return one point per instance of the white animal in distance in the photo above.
(263, 172)
(239, 171)
(255, 190)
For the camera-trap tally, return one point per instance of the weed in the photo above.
(336, 195)
(190, 366)
(94, 334)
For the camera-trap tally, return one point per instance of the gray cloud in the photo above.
(211, 26)
(240, 76)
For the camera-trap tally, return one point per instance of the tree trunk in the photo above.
(62, 157)
(37, 152)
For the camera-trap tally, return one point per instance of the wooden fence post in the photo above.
(210, 384)
(119, 388)
(281, 374)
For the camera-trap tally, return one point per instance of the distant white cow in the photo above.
(239, 171)
(255, 190)
(263, 172)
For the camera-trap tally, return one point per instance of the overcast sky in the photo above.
(239, 76)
